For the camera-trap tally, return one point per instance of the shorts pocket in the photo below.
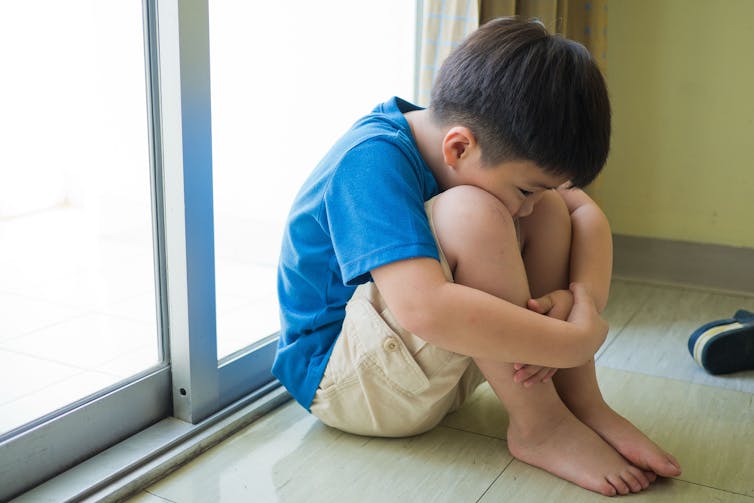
(385, 348)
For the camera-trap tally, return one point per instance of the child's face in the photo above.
(519, 185)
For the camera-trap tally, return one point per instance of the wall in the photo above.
(681, 79)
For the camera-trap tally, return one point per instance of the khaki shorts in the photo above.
(382, 380)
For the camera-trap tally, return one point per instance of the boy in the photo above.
(432, 249)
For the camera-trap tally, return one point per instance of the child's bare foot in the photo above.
(628, 440)
(566, 447)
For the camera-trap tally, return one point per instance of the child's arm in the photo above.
(591, 264)
(591, 246)
(475, 323)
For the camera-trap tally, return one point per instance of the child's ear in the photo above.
(457, 144)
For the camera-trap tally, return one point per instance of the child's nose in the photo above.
(527, 207)
(525, 210)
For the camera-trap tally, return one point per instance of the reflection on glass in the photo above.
(77, 296)
(287, 79)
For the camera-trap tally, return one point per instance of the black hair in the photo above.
(527, 95)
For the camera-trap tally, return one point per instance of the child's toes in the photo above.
(641, 477)
(666, 466)
(605, 488)
(619, 484)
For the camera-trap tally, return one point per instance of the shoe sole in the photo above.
(723, 346)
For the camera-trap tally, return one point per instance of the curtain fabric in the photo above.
(584, 21)
(445, 23)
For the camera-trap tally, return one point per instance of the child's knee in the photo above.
(471, 222)
(550, 216)
(473, 212)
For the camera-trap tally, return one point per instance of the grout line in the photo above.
(675, 379)
(683, 286)
(625, 325)
(157, 496)
(59, 362)
(496, 479)
(473, 433)
(79, 314)
(712, 487)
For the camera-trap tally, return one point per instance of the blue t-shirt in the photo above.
(361, 208)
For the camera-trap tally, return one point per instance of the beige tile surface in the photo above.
(626, 299)
(145, 497)
(290, 456)
(709, 430)
(482, 413)
(655, 341)
(522, 484)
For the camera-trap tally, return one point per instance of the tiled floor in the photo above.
(77, 304)
(645, 373)
(77, 310)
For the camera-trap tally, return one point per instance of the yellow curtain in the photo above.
(584, 21)
(445, 23)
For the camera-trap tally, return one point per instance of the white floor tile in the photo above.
(52, 397)
(59, 256)
(130, 362)
(252, 241)
(84, 342)
(21, 315)
(244, 280)
(22, 374)
(142, 307)
(246, 324)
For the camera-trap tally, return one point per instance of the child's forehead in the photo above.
(536, 174)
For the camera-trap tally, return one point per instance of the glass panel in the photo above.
(77, 296)
(287, 79)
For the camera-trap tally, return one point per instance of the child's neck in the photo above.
(429, 137)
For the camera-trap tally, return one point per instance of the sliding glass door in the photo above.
(288, 78)
(81, 338)
(77, 295)
(142, 202)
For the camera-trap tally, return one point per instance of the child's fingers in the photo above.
(541, 305)
(540, 376)
(525, 372)
(549, 375)
(529, 375)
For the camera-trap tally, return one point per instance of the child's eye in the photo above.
(525, 192)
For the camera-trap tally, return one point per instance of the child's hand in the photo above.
(585, 316)
(529, 375)
(558, 305)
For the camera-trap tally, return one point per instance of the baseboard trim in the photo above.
(696, 265)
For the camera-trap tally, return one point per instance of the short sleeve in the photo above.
(374, 208)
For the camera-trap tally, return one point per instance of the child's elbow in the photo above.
(419, 322)
(419, 319)
(578, 358)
